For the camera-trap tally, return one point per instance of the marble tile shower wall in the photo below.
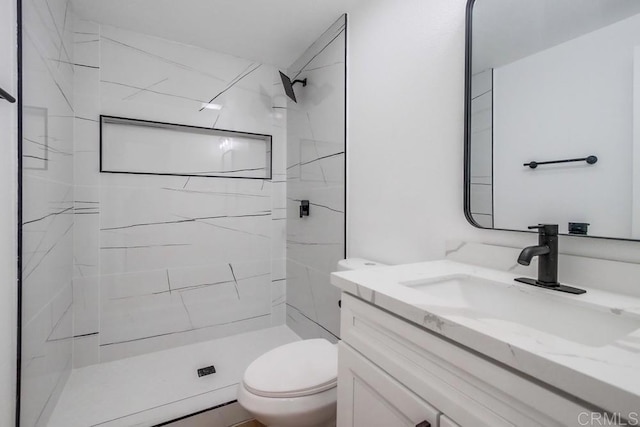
(315, 172)
(163, 261)
(48, 203)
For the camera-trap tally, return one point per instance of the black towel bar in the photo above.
(590, 160)
(5, 95)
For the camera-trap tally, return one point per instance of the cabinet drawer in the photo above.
(471, 390)
(368, 397)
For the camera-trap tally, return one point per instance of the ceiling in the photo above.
(269, 31)
(508, 30)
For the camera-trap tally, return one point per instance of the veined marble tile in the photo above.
(86, 95)
(312, 295)
(299, 290)
(322, 101)
(243, 299)
(177, 245)
(86, 350)
(183, 301)
(48, 206)
(126, 206)
(47, 358)
(160, 228)
(62, 314)
(278, 268)
(157, 52)
(315, 172)
(86, 41)
(310, 121)
(86, 236)
(36, 151)
(35, 334)
(278, 300)
(135, 318)
(168, 341)
(47, 242)
(305, 327)
(45, 202)
(317, 240)
(321, 163)
(177, 81)
(86, 305)
(335, 30)
(279, 236)
(86, 165)
(115, 287)
(49, 57)
(48, 140)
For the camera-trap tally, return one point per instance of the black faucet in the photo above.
(547, 253)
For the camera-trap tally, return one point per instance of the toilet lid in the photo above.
(298, 369)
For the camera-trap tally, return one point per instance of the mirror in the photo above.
(551, 135)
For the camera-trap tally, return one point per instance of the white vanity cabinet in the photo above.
(370, 397)
(395, 373)
(447, 422)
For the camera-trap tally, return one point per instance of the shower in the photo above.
(162, 246)
(288, 85)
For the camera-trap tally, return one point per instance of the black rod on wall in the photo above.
(590, 160)
(5, 95)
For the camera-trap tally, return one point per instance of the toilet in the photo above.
(294, 385)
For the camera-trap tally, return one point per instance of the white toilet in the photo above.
(294, 385)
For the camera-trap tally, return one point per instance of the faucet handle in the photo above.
(547, 229)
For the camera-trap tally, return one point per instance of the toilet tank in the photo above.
(357, 264)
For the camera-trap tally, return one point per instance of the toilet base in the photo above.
(318, 410)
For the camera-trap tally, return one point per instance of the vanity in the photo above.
(445, 343)
(480, 340)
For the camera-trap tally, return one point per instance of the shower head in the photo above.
(288, 85)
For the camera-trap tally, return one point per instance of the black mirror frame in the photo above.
(467, 115)
(468, 61)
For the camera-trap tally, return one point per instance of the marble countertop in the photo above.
(600, 368)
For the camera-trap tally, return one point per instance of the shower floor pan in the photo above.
(154, 388)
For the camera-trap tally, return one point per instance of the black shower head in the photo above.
(288, 85)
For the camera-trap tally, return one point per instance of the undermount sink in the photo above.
(511, 306)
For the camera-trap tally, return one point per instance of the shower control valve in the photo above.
(304, 208)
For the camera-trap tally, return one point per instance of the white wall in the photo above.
(573, 100)
(405, 137)
(8, 209)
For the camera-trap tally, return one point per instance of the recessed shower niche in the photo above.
(153, 148)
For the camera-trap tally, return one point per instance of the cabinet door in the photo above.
(447, 422)
(368, 397)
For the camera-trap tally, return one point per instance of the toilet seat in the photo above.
(299, 369)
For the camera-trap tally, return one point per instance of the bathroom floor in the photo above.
(157, 387)
(209, 419)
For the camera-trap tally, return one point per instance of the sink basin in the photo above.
(513, 306)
